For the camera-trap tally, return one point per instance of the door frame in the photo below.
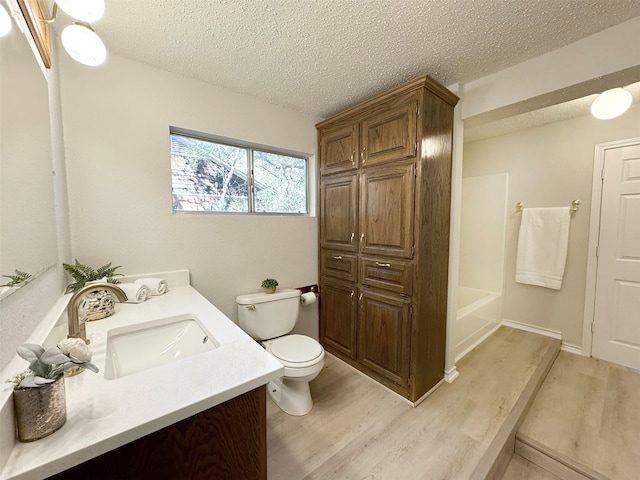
(594, 238)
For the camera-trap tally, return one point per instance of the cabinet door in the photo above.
(384, 329)
(339, 149)
(390, 133)
(386, 211)
(339, 212)
(338, 310)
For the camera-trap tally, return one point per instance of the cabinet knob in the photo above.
(352, 293)
(352, 236)
(337, 257)
(362, 155)
(361, 237)
(353, 161)
(360, 300)
(383, 264)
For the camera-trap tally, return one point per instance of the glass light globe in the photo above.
(83, 44)
(611, 103)
(5, 22)
(83, 10)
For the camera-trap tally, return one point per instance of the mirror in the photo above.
(27, 213)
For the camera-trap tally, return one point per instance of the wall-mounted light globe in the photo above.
(5, 22)
(611, 103)
(83, 44)
(83, 10)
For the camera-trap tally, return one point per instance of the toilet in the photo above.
(268, 318)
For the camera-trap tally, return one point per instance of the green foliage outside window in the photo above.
(210, 176)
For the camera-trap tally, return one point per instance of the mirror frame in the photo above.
(34, 13)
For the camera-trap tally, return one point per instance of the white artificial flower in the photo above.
(76, 348)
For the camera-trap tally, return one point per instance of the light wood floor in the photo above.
(588, 410)
(521, 469)
(359, 430)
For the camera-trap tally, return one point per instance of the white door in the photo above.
(616, 332)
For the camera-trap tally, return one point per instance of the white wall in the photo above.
(482, 231)
(549, 166)
(116, 127)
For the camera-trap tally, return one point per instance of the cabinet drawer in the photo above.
(339, 265)
(387, 274)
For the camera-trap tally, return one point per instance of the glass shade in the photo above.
(611, 103)
(83, 44)
(83, 10)
(5, 22)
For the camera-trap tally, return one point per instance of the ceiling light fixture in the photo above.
(611, 103)
(83, 10)
(83, 44)
(5, 21)
(79, 39)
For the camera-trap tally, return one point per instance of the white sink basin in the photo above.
(146, 345)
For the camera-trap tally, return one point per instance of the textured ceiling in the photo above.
(321, 56)
(543, 116)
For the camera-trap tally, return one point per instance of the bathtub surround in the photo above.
(482, 231)
(479, 314)
(481, 271)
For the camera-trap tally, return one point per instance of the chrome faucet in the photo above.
(77, 326)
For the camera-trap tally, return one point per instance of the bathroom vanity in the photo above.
(203, 416)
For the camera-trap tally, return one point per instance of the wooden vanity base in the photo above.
(224, 442)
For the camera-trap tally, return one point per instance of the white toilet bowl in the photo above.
(303, 359)
(269, 318)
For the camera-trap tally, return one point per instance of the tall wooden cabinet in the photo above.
(384, 200)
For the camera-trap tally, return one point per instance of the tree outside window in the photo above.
(209, 176)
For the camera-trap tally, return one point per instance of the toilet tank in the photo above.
(268, 315)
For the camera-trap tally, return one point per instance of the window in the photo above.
(208, 175)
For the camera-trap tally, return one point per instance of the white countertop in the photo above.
(105, 414)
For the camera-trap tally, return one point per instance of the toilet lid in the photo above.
(296, 348)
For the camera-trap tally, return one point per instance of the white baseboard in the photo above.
(547, 332)
(451, 374)
(482, 338)
(575, 349)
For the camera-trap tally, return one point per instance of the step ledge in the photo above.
(554, 461)
(495, 460)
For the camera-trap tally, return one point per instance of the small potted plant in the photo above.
(17, 279)
(269, 285)
(39, 395)
(100, 303)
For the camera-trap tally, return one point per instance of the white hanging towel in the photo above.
(542, 246)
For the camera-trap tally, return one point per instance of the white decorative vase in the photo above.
(98, 305)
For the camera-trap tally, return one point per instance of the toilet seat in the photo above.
(296, 351)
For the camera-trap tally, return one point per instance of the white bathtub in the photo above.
(479, 315)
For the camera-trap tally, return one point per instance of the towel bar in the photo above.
(575, 204)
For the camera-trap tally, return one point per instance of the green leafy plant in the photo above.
(83, 273)
(269, 283)
(47, 366)
(17, 279)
